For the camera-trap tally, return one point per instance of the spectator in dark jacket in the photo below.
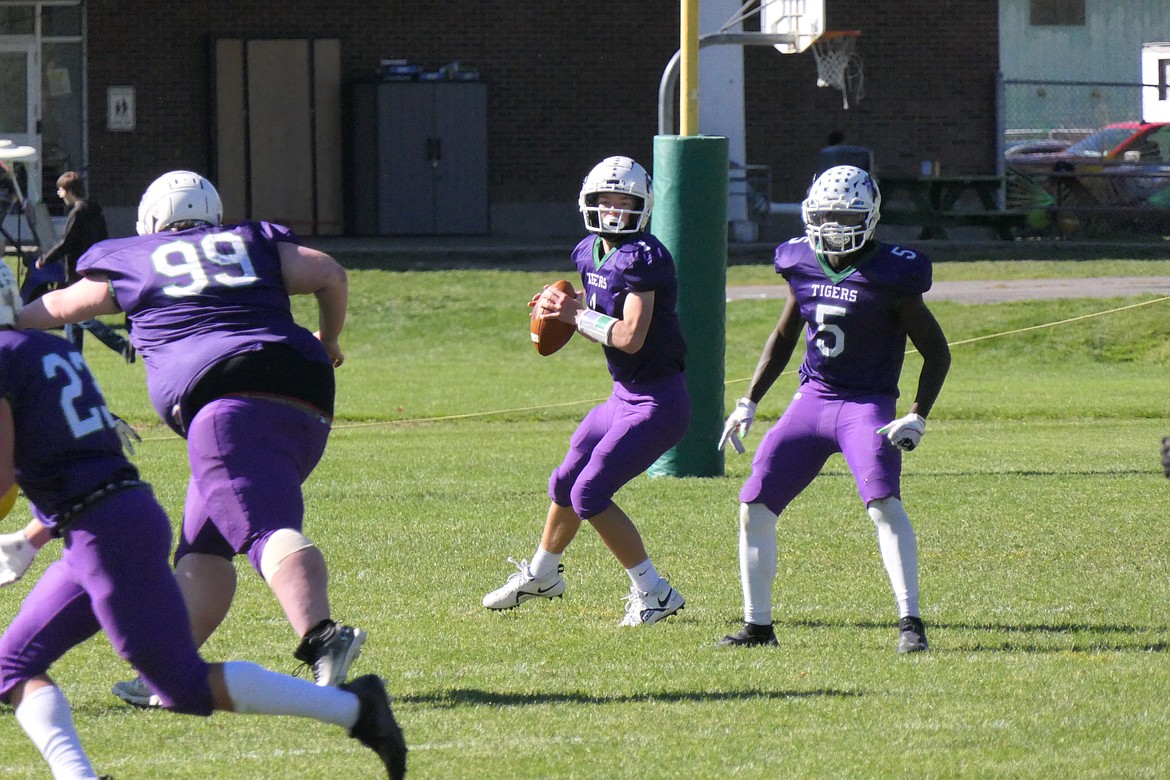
(84, 227)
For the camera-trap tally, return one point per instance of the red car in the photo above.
(1145, 142)
(1123, 164)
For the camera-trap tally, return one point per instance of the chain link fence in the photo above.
(1065, 110)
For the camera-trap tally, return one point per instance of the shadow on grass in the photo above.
(476, 697)
(1022, 637)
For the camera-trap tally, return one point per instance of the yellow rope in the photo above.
(520, 409)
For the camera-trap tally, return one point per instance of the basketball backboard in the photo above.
(803, 18)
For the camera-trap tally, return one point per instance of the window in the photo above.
(1057, 13)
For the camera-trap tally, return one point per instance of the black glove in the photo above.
(1166, 457)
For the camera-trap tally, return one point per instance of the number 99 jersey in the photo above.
(197, 297)
(854, 341)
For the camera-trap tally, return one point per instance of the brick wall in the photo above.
(569, 82)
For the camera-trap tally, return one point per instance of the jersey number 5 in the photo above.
(830, 339)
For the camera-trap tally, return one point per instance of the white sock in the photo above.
(757, 561)
(44, 715)
(899, 551)
(256, 690)
(644, 576)
(544, 563)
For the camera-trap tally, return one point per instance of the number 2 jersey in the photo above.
(66, 446)
(198, 297)
(854, 341)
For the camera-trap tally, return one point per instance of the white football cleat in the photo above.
(135, 692)
(522, 586)
(645, 609)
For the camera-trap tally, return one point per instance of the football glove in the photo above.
(905, 432)
(126, 434)
(16, 555)
(738, 424)
(1166, 456)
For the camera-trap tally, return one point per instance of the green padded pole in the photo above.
(690, 218)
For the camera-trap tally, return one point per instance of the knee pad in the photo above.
(280, 544)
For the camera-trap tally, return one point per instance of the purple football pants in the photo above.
(112, 576)
(812, 428)
(249, 456)
(619, 440)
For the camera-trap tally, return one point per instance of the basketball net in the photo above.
(839, 64)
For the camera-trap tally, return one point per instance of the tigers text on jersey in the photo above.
(854, 342)
(66, 445)
(642, 264)
(197, 297)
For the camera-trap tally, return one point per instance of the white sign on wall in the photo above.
(1156, 82)
(120, 108)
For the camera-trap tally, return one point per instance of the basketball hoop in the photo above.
(839, 64)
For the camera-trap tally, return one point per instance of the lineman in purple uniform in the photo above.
(628, 304)
(860, 300)
(58, 441)
(252, 391)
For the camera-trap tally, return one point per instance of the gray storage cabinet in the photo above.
(419, 158)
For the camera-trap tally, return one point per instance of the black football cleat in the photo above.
(751, 635)
(376, 727)
(912, 635)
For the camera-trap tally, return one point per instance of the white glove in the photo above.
(127, 434)
(905, 432)
(16, 555)
(738, 424)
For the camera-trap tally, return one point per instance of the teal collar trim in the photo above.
(836, 276)
(599, 259)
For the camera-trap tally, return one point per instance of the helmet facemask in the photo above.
(622, 176)
(841, 211)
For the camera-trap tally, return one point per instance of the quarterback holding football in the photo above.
(627, 304)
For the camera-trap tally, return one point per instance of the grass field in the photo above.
(1037, 496)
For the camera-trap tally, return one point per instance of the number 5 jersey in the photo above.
(854, 341)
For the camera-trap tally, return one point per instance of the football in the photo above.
(550, 335)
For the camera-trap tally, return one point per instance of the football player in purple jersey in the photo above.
(59, 443)
(858, 300)
(229, 369)
(628, 305)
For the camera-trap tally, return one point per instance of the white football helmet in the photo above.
(178, 196)
(841, 211)
(10, 302)
(621, 175)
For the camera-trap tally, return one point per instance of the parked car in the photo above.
(1120, 142)
(1124, 164)
(1035, 146)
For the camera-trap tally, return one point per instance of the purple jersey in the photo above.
(66, 444)
(854, 342)
(642, 264)
(197, 297)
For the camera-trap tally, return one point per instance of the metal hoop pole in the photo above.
(666, 87)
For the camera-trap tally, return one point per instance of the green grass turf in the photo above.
(1037, 496)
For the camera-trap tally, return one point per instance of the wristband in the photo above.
(596, 326)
